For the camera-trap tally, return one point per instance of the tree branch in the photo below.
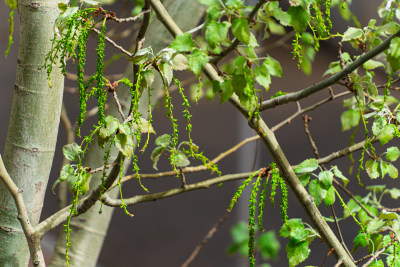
(32, 239)
(331, 80)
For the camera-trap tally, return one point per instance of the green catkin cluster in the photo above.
(81, 61)
(297, 49)
(284, 199)
(239, 192)
(174, 140)
(186, 114)
(10, 28)
(121, 174)
(274, 182)
(135, 98)
(149, 121)
(360, 167)
(327, 6)
(199, 86)
(252, 216)
(261, 205)
(100, 93)
(209, 164)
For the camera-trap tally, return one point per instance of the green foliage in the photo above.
(13, 5)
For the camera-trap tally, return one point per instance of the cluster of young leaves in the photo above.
(373, 236)
(320, 189)
(300, 237)
(266, 243)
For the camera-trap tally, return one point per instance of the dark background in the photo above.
(163, 233)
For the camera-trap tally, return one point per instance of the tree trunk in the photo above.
(89, 229)
(33, 128)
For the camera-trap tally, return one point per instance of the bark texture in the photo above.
(90, 229)
(33, 128)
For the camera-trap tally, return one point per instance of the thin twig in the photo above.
(130, 18)
(306, 120)
(120, 48)
(114, 93)
(340, 262)
(23, 217)
(208, 236)
(183, 179)
(102, 167)
(377, 255)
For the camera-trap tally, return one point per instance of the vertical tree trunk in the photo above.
(33, 128)
(89, 229)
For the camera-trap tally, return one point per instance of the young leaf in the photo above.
(330, 196)
(289, 226)
(71, 151)
(166, 71)
(125, 144)
(197, 60)
(378, 125)
(326, 178)
(183, 42)
(371, 167)
(304, 178)
(163, 140)
(147, 78)
(181, 160)
(349, 119)
(110, 126)
(273, 66)
(392, 153)
(226, 90)
(269, 245)
(262, 76)
(351, 34)
(299, 18)
(241, 30)
(216, 32)
(141, 56)
(387, 133)
(392, 171)
(297, 253)
(340, 175)
(317, 191)
(156, 154)
(84, 182)
(308, 165)
(179, 62)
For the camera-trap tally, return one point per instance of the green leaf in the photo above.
(387, 215)
(71, 181)
(317, 191)
(166, 71)
(179, 62)
(376, 188)
(392, 171)
(308, 165)
(351, 34)
(84, 182)
(392, 153)
(241, 29)
(147, 78)
(262, 76)
(163, 140)
(216, 32)
(66, 171)
(387, 133)
(340, 175)
(360, 241)
(181, 160)
(289, 226)
(378, 125)
(326, 178)
(226, 90)
(372, 64)
(269, 245)
(299, 18)
(304, 178)
(394, 49)
(110, 126)
(297, 253)
(125, 144)
(371, 167)
(156, 154)
(330, 196)
(375, 226)
(182, 43)
(349, 119)
(197, 60)
(273, 66)
(71, 151)
(141, 56)
(394, 193)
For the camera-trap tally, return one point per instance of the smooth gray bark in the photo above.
(33, 127)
